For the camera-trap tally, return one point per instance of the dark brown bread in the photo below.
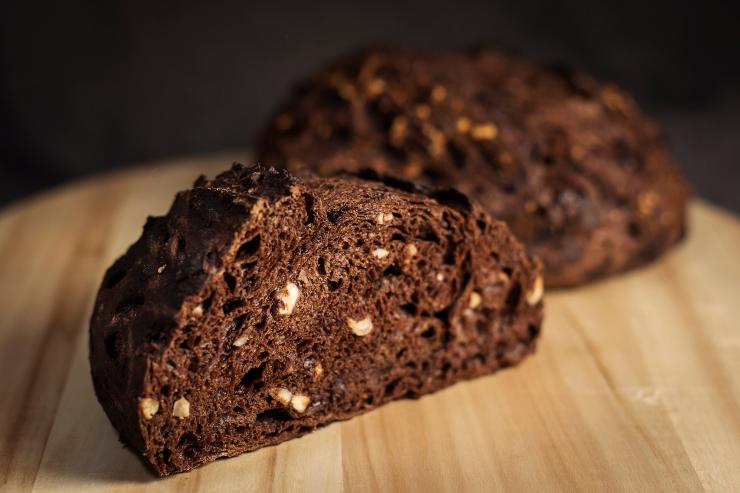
(263, 306)
(571, 164)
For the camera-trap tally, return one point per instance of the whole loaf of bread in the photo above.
(572, 165)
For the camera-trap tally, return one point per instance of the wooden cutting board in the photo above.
(635, 386)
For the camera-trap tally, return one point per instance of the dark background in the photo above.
(87, 86)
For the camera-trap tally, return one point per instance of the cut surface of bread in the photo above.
(263, 306)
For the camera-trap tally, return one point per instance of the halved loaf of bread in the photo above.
(264, 306)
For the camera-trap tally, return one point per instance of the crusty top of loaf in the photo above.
(572, 165)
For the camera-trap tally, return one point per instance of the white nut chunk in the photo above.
(148, 407)
(380, 253)
(198, 311)
(318, 371)
(360, 327)
(411, 250)
(300, 403)
(384, 218)
(240, 341)
(181, 409)
(475, 300)
(288, 296)
(534, 295)
(281, 395)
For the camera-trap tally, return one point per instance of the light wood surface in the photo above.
(635, 386)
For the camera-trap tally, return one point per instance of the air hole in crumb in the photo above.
(190, 445)
(250, 378)
(277, 367)
(398, 237)
(235, 325)
(232, 305)
(428, 234)
(249, 248)
(512, 298)
(633, 229)
(272, 415)
(230, 281)
(481, 224)
(111, 344)
(207, 303)
(508, 271)
(534, 330)
(165, 390)
(334, 215)
(449, 256)
(392, 270)
(466, 274)
(305, 346)
(429, 333)
(443, 315)
(334, 285)
(447, 336)
(321, 266)
(308, 202)
(390, 388)
(409, 309)
(115, 278)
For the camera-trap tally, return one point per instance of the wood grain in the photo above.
(635, 386)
